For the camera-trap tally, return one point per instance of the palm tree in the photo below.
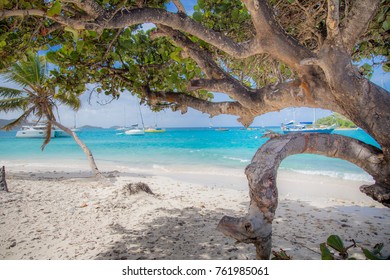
(38, 97)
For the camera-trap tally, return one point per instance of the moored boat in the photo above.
(154, 130)
(291, 127)
(135, 131)
(39, 131)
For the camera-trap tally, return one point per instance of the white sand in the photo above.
(58, 212)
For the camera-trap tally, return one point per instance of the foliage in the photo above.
(337, 119)
(37, 95)
(128, 59)
(334, 249)
(340, 251)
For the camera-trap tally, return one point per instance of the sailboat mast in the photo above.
(142, 119)
(314, 114)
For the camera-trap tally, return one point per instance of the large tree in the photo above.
(265, 55)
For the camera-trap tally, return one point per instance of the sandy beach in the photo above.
(56, 211)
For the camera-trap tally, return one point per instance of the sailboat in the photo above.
(135, 130)
(301, 127)
(154, 129)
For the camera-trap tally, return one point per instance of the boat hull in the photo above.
(154, 130)
(324, 131)
(33, 134)
(135, 132)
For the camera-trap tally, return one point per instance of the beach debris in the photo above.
(3, 182)
(134, 188)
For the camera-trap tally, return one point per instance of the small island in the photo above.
(340, 121)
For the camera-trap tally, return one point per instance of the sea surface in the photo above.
(184, 148)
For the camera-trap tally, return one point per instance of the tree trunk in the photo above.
(256, 226)
(86, 150)
(3, 182)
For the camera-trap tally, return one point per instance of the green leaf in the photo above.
(55, 10)
(386, 24)
(74, 32)
(325, 253)
(3, 44)
(336, 243)
(197, 16)
(370, 255)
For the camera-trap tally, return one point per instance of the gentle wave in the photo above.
(334, 174)
(237, 159)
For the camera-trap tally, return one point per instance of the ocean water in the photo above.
(188, 148)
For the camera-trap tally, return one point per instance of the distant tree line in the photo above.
(339, 120)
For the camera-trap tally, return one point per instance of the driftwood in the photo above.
(256, 226)
(378, 193)
(3, 182)
(134, 188)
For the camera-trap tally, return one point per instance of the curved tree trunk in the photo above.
(82, 145)
(256, 226)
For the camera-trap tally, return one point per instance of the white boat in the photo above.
(291, 127)
(135, 131)
(39, 131)
(33, 131)
(305, 127)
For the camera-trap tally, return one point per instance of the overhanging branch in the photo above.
(357, 21)
(183, 101)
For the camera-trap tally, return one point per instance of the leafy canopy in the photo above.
(129, 59)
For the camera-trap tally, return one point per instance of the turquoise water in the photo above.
(196, 148)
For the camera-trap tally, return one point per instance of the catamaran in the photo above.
(39, 131)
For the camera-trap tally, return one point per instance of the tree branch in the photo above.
(332, 20)
(186, 24)
(203, 58)
(273, 38)
(256, 226)
(91, 7)
(73, 23)
(184, 101)
(357, 21)
(179, 6)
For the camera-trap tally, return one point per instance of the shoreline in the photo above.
(57, 212)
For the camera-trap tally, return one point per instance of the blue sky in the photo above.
(125, 110)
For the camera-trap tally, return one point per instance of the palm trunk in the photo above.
(87, 152)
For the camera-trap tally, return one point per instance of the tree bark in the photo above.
(84, 147)
(3, 182)
(256, 226)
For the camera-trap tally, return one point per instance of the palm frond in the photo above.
(18, 121)
(13, 104)
(48, 135)
(29, 73)
(10, 92)
(69, 99)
